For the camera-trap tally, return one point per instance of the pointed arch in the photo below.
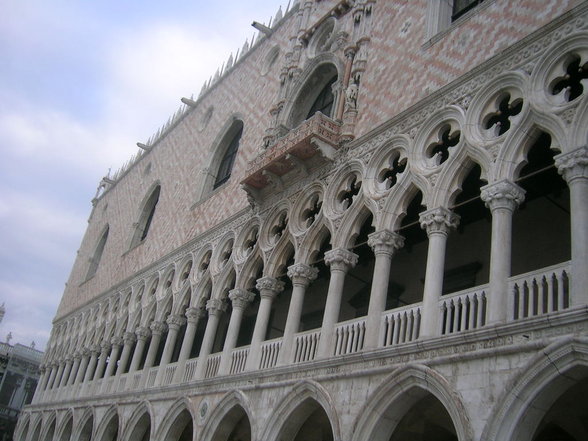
(527, 396)
(226, 415)
(311, 243)
(97, 254)
(177, 420)
(395, 208)
(85, 426)
(139, 425)
(353, 221)
(146, 215)
(109, 426)
(398, 393)
(65, 430)
(304, 398)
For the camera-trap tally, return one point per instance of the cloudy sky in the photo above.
(80, 83)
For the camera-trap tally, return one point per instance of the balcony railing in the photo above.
(317, 134)
(545, 291)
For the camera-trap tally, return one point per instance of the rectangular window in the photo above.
(460, 7)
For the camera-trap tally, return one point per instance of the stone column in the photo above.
(502, 198)
(301, 276)
(58, 375)
(157, 329)
(193, 316)
(115, 350)
(268, 288)
(174, 323)
(104, 350)
(83, 366)
(340, 261)
(215, 308)
(74, 370)
(66, 371)
(128, 340)
(94, 351)
(437, 223)
(240, 298)
(142, 334)
(574, 168)
(384, 243)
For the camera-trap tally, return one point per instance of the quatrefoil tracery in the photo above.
(312, 210)
(251, 240)
(349, 193)
(500, 120)
(389, 174)
(279, 227)
(448, 138)
(571, 81)
(205, 261)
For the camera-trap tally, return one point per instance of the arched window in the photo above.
(324, 101)
(226, 164)
(95, 260)
(146, 217)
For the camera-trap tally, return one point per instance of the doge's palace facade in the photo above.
(372, 223)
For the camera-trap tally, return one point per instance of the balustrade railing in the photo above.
(269, 353)
(151, 376)
(190, 370)
(464, 310)
(540, 292)
(238, 360)
(169, 373)
(349, 336)
(401, 325)
(532, 294)
(212, 365)
(306, 345)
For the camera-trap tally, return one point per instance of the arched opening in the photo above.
(541, 225)
(142, 429)
(407, 271)
(25, 431)
(223, 324)
(65, 433)
(51, 432)
(427, 420)
(87, 428)
(250, 313)
(235, 426)
(316, 95)
(201, 326)
(358, 282)
(111, 431)
(308, 422)
(182, 428)
(97, 256)
(280, 305)
(146, 217)
(567, 418)
(315, 297)
(230, 146)
(37, 432)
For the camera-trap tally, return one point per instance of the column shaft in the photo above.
(215, 307)
(91, 366)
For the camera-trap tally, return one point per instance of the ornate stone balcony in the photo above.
(317, 135)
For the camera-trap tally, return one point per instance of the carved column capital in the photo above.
(438, 221)
(502, 195)
(385, 242)
(240, 298)
(175, 321)
(116, 341)
(194, 314)
(302, 274)
(216, 306)
(340, 259)
(77, 355)
(269, 287)
(105, 347)
(95, 349)
(157, 328)
(573, 165)
(129, 338)
(142, 333)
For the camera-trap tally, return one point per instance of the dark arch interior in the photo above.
(86, 433)
(66, 434)
(567, 418)
(308, 422)
(182, 428)
(234, 426)
(142, 430)
(315, 297)
(111, 432)
(427, 420)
